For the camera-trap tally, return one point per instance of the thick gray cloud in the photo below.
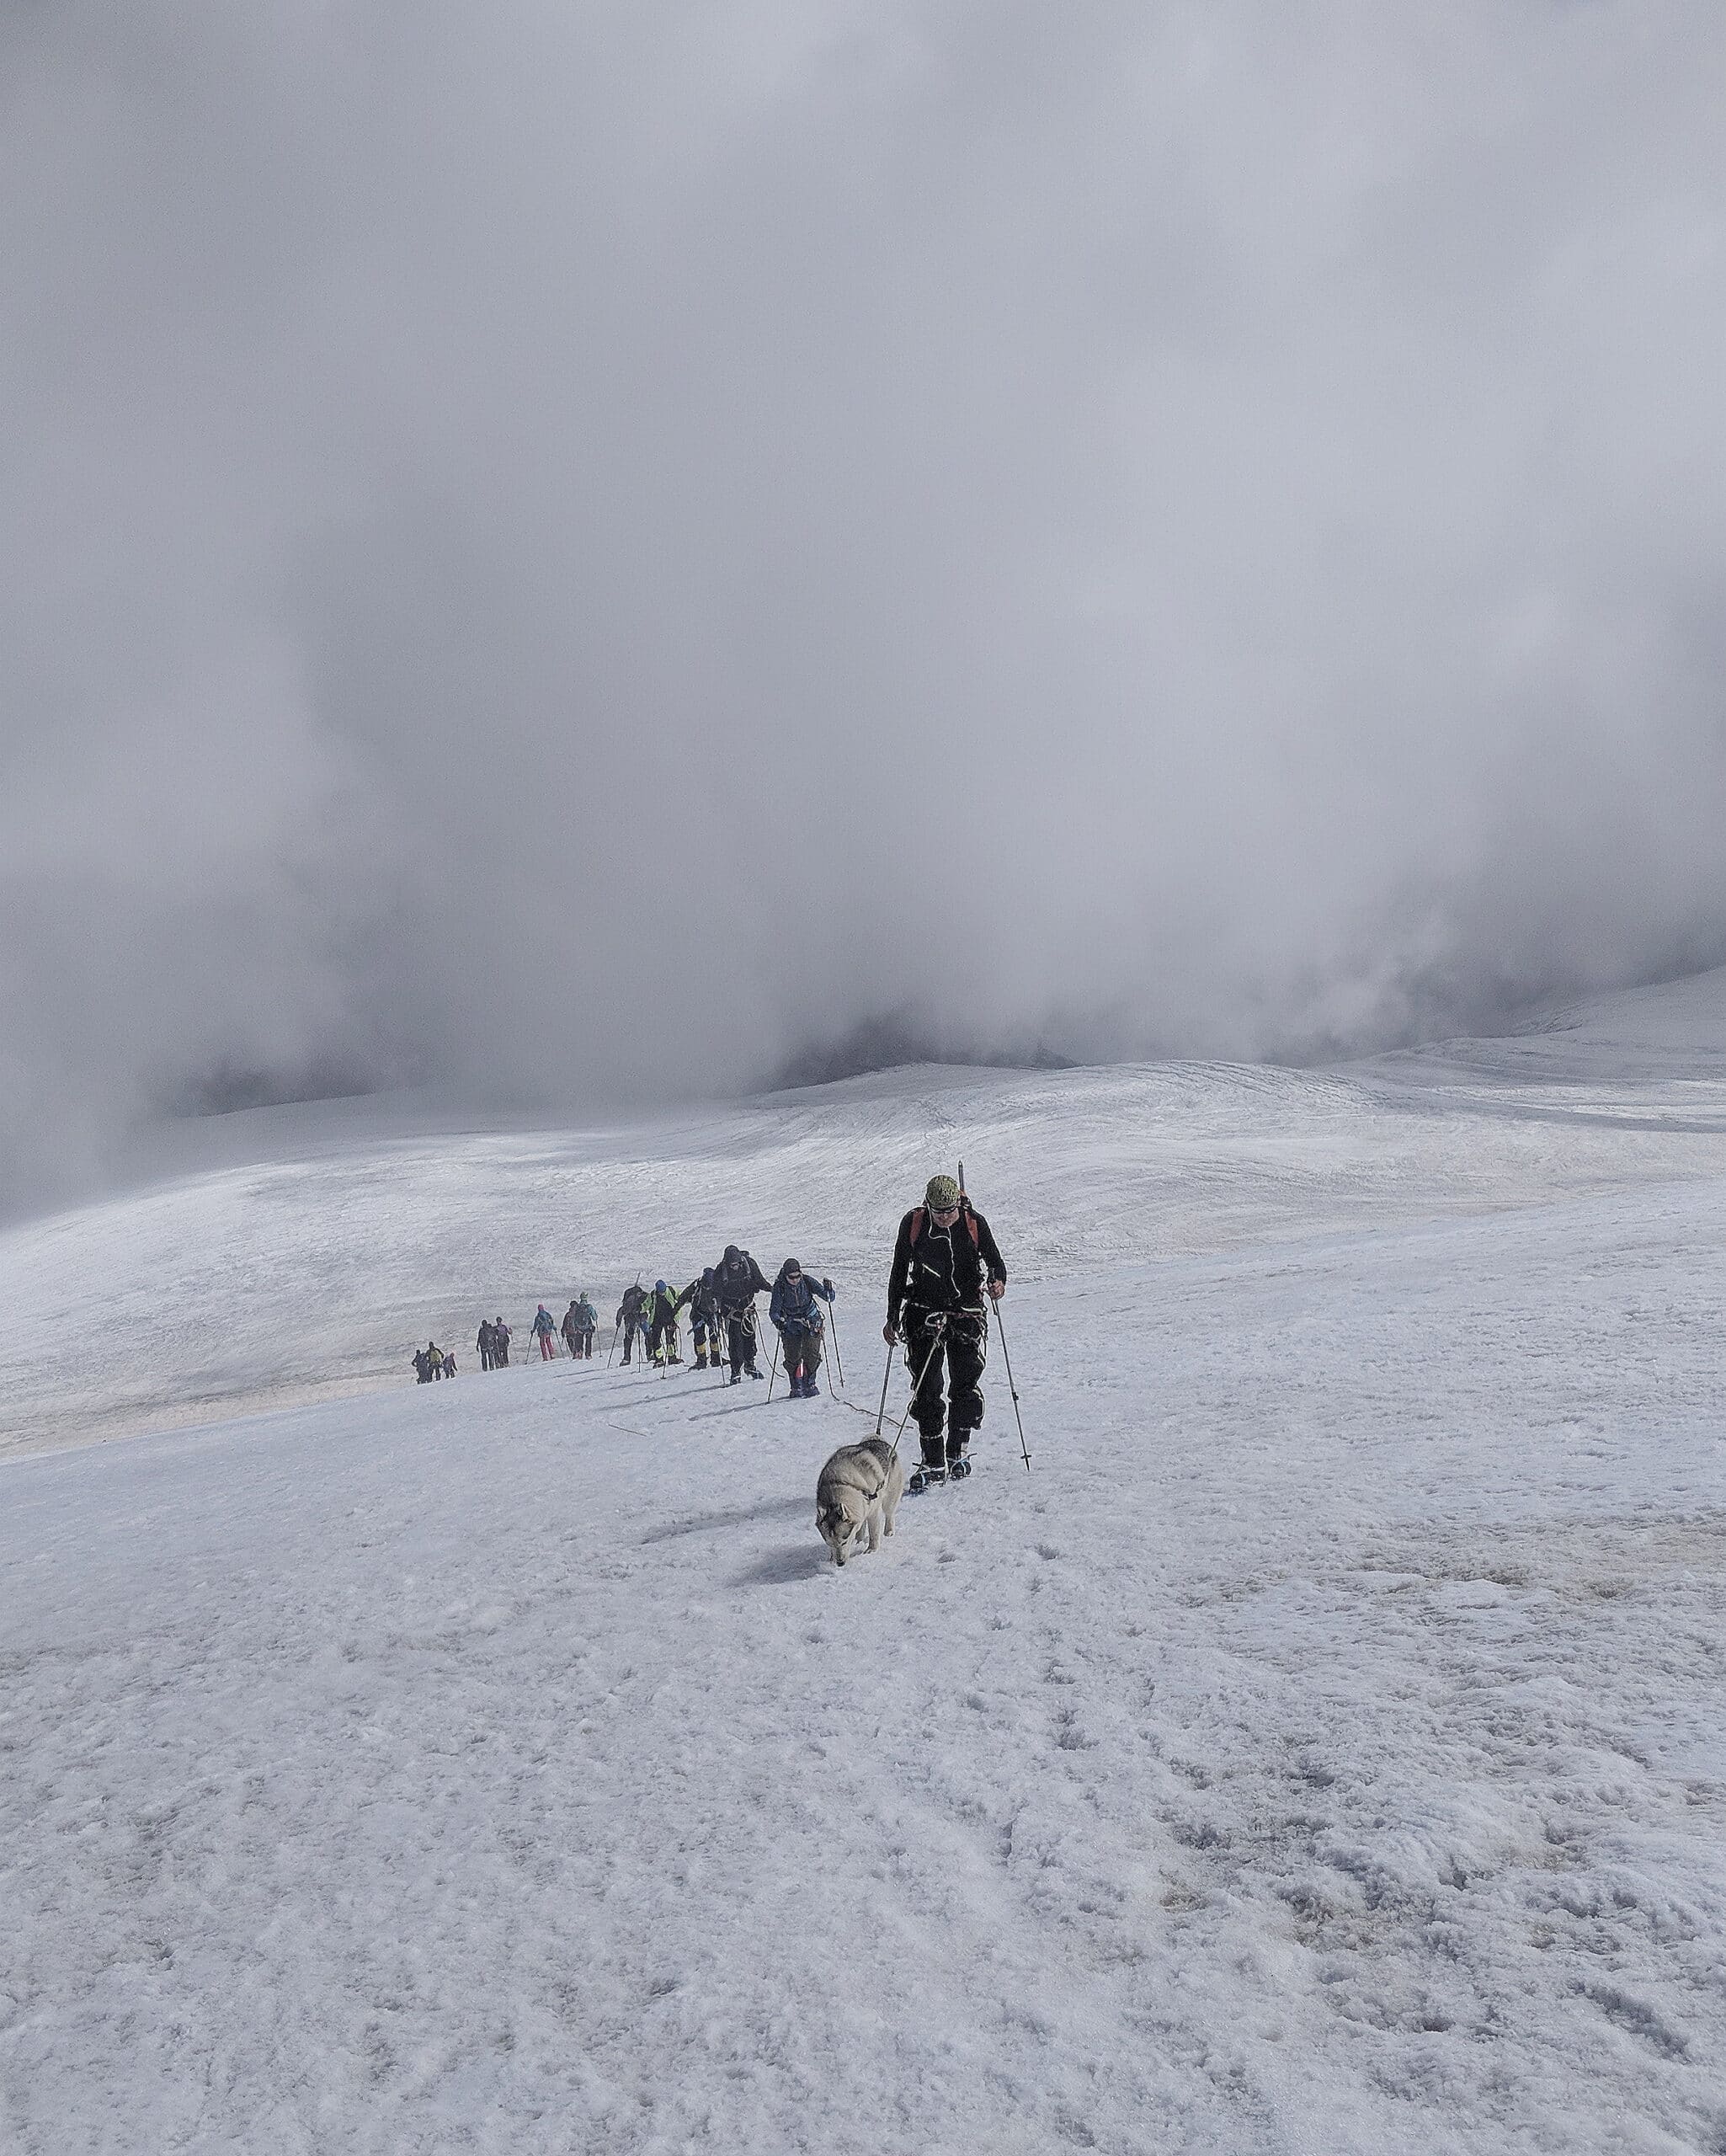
(576, 550)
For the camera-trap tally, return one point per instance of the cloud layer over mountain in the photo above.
(580, 554)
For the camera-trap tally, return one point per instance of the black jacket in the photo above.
(947, 1268)
(631, 1308)
(737, 1281)
(700, 1298)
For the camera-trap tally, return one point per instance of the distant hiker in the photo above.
(661, 1324)
(630, 1315)
(545, 1333)
(587, 1320)
(703, 1320)
(571, 1329)
(435, 1357)
(737, 1282)
(796, 1313)
(449, 1361)
(500, 1344)
(943, 1263)
(421, 1366)
(484, 1343)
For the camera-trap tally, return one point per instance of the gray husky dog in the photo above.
(859, 1487)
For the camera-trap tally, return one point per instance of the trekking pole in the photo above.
(991, 1302)
(615, 1329)
(1008, 1360)
(838, 1358)
(886, 1378)
(938, 1333)
(774, 1373)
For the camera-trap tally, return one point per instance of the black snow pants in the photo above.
(705, 1331)
(950, 1357)
(740, 1339)
(632, 1326)
(803, 1352)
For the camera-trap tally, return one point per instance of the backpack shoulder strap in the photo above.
(971, 1223)
(916, 1225)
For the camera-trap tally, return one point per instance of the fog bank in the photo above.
(588, 555)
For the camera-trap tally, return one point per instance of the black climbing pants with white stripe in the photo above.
(951, 1389)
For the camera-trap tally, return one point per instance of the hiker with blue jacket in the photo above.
(545, 1329)
(797, 1312)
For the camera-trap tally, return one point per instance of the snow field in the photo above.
(1319, 1751)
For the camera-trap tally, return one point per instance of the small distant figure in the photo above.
(449, 1361)
(737, 1282)
(661, 1324)
(422, 1365)
(500, 1344)
(587, 1324)
(545, 1333)
(630, 1316)
(483, 1343)
(705, 1328)
(572, 1330)
(797, 1315)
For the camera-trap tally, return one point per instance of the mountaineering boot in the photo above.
(736, 1377)
(924, 1478)
(958, 1469)
(754, 1372)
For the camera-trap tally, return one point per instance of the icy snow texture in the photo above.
(1319, 1751)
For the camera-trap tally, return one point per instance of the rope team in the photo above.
(946, 1281)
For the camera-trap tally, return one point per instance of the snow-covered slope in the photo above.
(295, 1253)
(1319, 1750)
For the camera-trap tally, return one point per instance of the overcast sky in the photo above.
(574, 549)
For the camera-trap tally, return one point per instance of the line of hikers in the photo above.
(722, 1323)
(946, 1261)
(723, 1319)
(581, 1321)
